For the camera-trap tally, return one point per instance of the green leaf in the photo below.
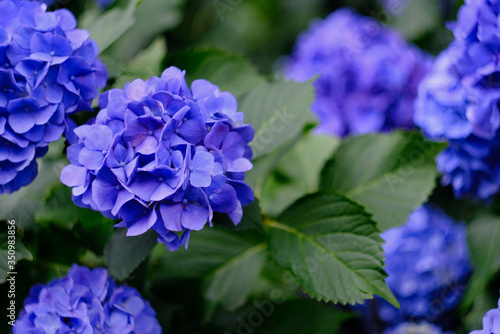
(229, 71)
(208, 250)
(278, 111)
(108, 27)
(297, 172)
(332, 248)
(227, 261)
(21, 252)
(300, 317)
(123, 254)
(152, 18)
(230, 284)
(145, 65)
(484, 302)
(483, 234)
(390, 174)
(252, 219)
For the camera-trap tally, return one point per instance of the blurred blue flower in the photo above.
(491, 321)
(415, 328)
(48, 70)
(428, 266)
(86, 301)
(458, 102)
(160, 155)
(368, 74)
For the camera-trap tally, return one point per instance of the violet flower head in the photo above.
(88, 302)
(162, 156)
(459, 102)
(427, 260)
(49, 69)
(368, 74)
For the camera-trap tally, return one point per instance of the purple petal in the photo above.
(171, 215)
(99, 137)
(91, 159)
(194, 216)
(73, 176)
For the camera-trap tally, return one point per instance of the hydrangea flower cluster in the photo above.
(491, 321)
(162, 156)
(368, 74)
(458, 102)
(86, 302)
(48, 70)
(415, 328)
(427, 263)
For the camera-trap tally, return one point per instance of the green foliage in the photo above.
(483, 234)
(148, 63)
(301, 317)
(297, 172)
(390, 175)
(278, 111)
(21, 252)
(106, 28)
(152, 18)
(332, 248)
(123, 254)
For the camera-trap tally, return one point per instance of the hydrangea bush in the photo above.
(458, 102)
(86, 301)
(314, 166)
(368, 74)
(49, 70)
(160, 155)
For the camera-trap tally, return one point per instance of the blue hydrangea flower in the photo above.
(48, 70)
(491, 321)
(428, 266)
(415, 328)
(368, 75)
(160, 155)
(86, 302)
(458, 102)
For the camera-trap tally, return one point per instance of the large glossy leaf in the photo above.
(227, 261)
(332, 248)
(297, 172)
(230, 284)
(152, 18)
(108, 27)
(145, 65)
(278, 111)
(123, 254)
(389, 174)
